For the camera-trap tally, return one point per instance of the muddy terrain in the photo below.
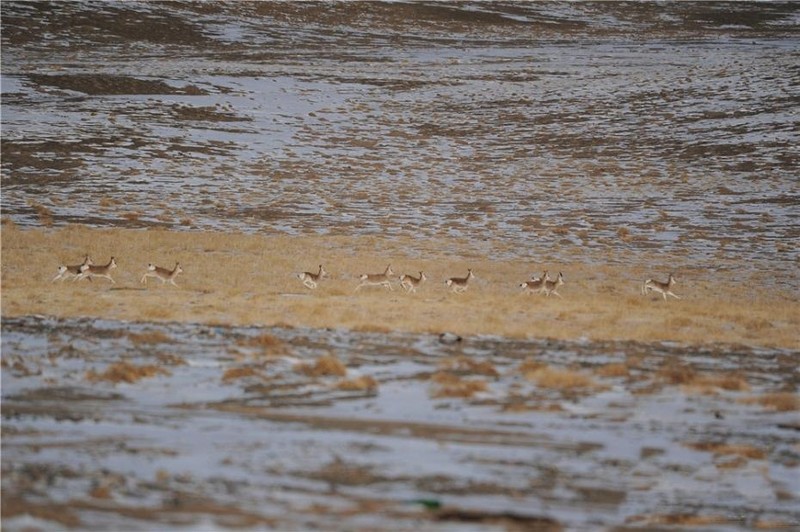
(254, 140)
(633, 129)
(141, 426)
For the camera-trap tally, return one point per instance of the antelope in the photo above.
(410, 283)
(665, 289)
(310, 279)
(377, 279)
(89, 270)
(536, 284)
(459, 284)
(162, 273)
(71, 271)
(551, 287)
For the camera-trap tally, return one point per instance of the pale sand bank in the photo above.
(251, 280)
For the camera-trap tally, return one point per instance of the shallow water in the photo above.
(233, 433)
(534, 129)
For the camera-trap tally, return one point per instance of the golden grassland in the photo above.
(125, 372)
(241, 279)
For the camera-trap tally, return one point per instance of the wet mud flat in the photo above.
(637, 129)
(137, 425)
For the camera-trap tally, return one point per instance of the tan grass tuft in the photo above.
(726, 449)
(780, 402)
(464, 364)
(678, 519)
(728, 381)
(262, 340)
(233, 374)
(268, 343)
(149, 337)
(125, 372)
(530, 365)
(710, 384)
(8, 223)
(171, 360)
(773, 524)
(100, 492)
(559, 379)
(676, 374)
(443, 377)
(613, 370)
(106, 202)
(450, 385)
(362, 383)
(44, 213)
(325, 366)
(732, 463)
(517, 407)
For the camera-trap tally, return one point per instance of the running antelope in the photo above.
(665, 289)
(551, 287)
(377, 279)
(88, 271)
(310, 279)
(410, 283)
(162, 273)
(459, 284)
(71, 271)
(536, 284)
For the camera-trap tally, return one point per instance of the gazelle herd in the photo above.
(376, 279)
(72, 272)
(88, 270)
(162, 273)
(665, 289)
(310, 279)
(544, 285)
(460, 284)
(536, 284)
(410, 283)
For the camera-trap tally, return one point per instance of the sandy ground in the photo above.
(251, 280)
